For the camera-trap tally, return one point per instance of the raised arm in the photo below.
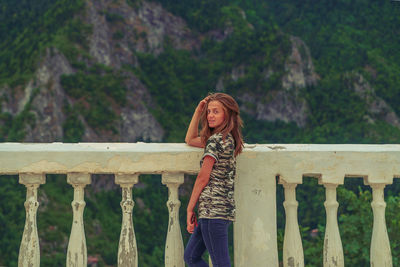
(192, 135)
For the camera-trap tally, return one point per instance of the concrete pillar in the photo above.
(77, 251)
(292, 245)
(174, 243)
(380, 245)
(255, 238)
(127, 248)
(29, 251)
(333, 250)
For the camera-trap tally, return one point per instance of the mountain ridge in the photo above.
(114, 41)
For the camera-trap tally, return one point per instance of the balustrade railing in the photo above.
(255, 232)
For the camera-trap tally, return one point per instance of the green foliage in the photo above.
(337, 112)
(95, 90)
(313, 245)
(27, 30)
(107, 225)
(336, 115)
(118, 35)
(393, 225)
(102, 219)
(354, 218)
(17, 132)
(54, 219)
(171, 78)
(12, 129)
(258, 48)
(77, 32)
(256, 131)
(5, 125)
(202, 15)
(133, 3)
(234, 17)
(73, 128)
(340, 35)
(384, 76)
(72, 42)
(355, 222)
(177, 80)
(113, 17)
(152, 197)
(12, 219)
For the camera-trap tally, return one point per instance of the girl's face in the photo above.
(215, 114)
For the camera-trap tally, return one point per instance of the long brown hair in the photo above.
(232, 122)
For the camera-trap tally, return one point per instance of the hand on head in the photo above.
(202, 104)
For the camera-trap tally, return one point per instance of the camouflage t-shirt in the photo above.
(216, 200)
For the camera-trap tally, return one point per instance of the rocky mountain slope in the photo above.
(118, 32)
(143, 29)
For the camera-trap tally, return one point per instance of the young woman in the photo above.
(222, 141)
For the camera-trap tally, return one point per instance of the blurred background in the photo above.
(134, 70)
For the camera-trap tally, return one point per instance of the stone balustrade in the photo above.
(255, 231)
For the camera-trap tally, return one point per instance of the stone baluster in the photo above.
(29, 251)
(333, 250)
(77, 252)
(292, 245)
(380, 246)
(127, 248)
(174, 243)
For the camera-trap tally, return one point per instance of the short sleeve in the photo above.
(213, 147)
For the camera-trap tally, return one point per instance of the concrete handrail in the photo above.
(255, 189)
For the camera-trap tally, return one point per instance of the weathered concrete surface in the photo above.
(174, 243)
(377, 163)
(127, 248)
(255, 240)
(29, 251)
(255, 237)
(380, 251)
(77, 251)
(292, 246)
(333, 249)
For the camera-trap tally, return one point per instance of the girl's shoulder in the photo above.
(215, 136)
(214, 139)
(219, 138)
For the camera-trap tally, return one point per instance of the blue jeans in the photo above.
(210, 234)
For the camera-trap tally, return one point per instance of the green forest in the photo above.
(345, 38)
